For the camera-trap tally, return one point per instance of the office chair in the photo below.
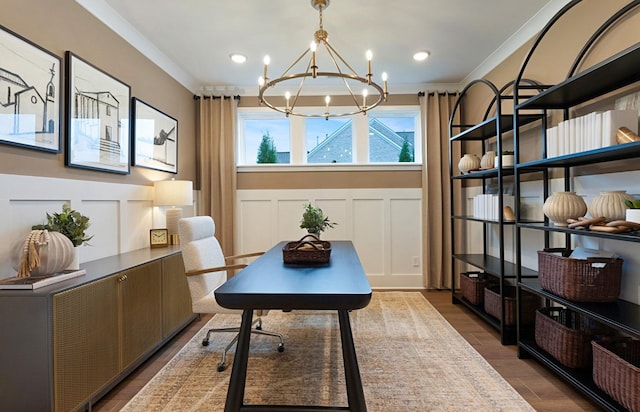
(206, 269)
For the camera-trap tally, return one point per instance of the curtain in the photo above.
(216, 168)
(435, 111)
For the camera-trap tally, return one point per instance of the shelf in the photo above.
(580, 379)
(488, 128)
(485, 174)
(620, 314)
(605, 154)
(475, 219)
(509, 337)
(627, 237)
(491, 264)
(617, 71)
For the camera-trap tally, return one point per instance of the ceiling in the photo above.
(192, 40)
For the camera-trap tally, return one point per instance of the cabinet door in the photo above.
(141, 294)
(176, 299)
(85, 341)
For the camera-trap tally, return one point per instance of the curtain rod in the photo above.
(198, 97)
(420, 94)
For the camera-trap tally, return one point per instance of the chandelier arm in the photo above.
(296, 62)
(295, 99)
(331, 51)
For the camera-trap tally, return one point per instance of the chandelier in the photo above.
(371, 96)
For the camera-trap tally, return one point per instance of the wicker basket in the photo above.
(493, 307)
(472, 286)
(566, 335)
(577, 279)
(616, 370)
(307, 252)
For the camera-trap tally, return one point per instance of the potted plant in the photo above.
(73, 225)
(633, 210)
(314, 220)
(507, 159)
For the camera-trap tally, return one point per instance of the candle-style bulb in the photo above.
(287, 96)
(369, 57)
(365, 93)
(266, 60)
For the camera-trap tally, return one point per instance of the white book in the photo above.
(597, 130)
(35, 282)
(612, 120)
(572, 136)
(552, 142)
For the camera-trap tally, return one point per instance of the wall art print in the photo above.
(155, 138)
(30, 99)
(98, 123)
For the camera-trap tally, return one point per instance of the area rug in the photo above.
(410, 358)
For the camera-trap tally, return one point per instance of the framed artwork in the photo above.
(98, 131)
(155, 138)
(30, 94)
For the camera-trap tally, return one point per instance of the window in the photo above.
(389, 135)
(329, 141)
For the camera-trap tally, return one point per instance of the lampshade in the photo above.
(173, 193)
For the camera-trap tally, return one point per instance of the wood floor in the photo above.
(541, 388)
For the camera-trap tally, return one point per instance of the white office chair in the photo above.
(206, 269)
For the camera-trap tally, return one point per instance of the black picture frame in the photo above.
(155, 138)
(30, 94)
(98, 118)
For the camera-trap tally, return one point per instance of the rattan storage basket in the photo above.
(566, 335)
(493, 307)
(309, 250)
(472, 286)
(616, 370)
(577, 279)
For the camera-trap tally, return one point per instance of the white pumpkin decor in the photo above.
(561, 206)
(468, 162)
(610, 205)
(487, 161)
(41, 253)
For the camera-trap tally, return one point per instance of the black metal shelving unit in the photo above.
(490, 131)
(610, 75)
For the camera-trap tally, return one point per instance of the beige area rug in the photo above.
(410, 358)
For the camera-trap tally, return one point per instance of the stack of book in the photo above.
(35, 282)
(486, 206)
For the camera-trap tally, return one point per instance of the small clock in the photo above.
(159, 237)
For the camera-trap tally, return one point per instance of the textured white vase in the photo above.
(468, 162)
(55, 256)
(561, 206)
(488, 160)
(75, 262)
(507, 160)
(610, 205)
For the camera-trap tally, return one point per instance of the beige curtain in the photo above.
(215, 146)
(435, 110)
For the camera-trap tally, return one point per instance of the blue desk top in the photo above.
(268, 283)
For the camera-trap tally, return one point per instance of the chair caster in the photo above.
(281, 347)
(221, 367)
(205, 342)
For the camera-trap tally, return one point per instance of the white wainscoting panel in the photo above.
(120, 214)
(384, 225)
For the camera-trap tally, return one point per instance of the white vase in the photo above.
(507, 160)
(75, 263)
(488, 160)
(610, 205)
(468, 162)
(633, 215)
(55, 256)
(561, 206)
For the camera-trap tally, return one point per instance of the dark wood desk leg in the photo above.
(235, 393)
(355, 395)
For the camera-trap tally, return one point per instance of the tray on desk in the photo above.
(309, 250)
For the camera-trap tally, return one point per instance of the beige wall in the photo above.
(60, 25)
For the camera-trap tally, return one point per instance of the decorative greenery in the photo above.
(314, 220)
(632, 204)
(267, 152)
(507, 152)
(70, 223)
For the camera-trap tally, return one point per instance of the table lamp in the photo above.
(173, 193)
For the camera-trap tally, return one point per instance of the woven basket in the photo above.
(493, 307)
(566, 335)
(577, 279)
(307, 252)
(472, 286)
(616, 370)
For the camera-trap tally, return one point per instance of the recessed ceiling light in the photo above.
(238, 58)
(421, 55)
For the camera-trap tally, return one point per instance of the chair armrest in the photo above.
(215, 269)
(245, 255)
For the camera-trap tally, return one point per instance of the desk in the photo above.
(268, 283)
